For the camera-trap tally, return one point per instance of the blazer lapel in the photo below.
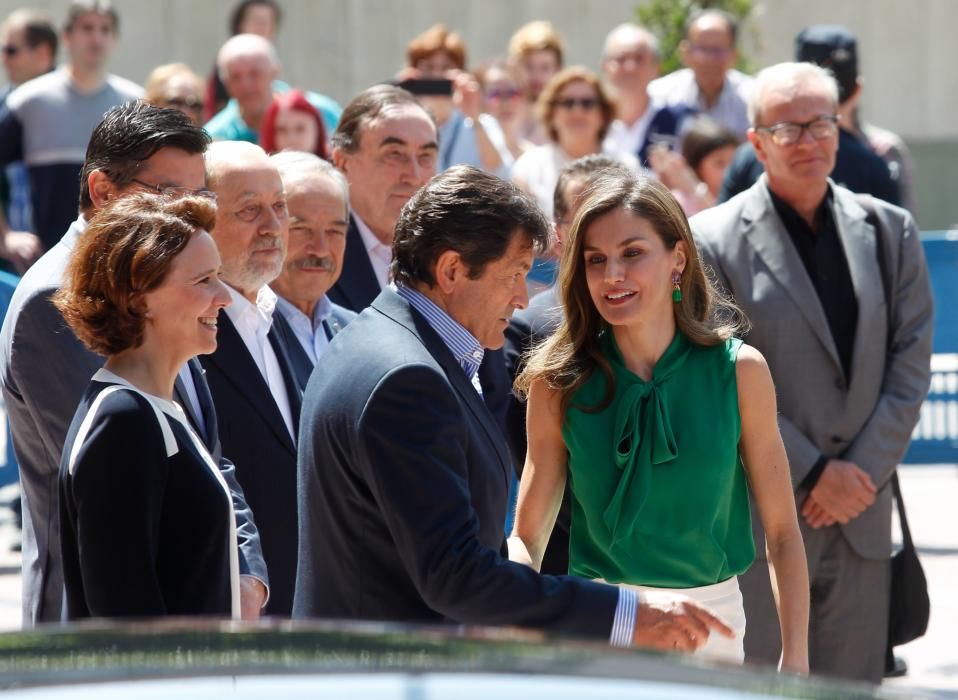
(770, 240)
(357, 285)
(238, 367)
(280, 334)
(859, 240)
(397, 309)
(204, 425)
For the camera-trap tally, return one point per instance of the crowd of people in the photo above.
(284, 360)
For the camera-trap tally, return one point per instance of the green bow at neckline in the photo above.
(641, 419)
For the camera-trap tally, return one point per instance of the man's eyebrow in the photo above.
(392, 141)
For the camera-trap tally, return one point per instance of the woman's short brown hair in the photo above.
(546, 106)
(435, 39)
(126, 251)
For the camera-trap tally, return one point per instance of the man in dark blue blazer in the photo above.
(45, 369)
(403, 473)
(317, 196)
(374, 125)
(250, 375)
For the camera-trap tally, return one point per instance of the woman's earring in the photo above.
(676, 286)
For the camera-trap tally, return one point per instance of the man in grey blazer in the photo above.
(45, 369)
(837, 291)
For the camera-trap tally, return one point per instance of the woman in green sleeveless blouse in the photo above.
(660, 420)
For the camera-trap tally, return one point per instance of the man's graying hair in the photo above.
(365, 108)
(294, 165)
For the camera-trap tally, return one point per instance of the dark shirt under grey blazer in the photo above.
(404, 478)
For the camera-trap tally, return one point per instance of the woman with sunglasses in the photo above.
(576, 111)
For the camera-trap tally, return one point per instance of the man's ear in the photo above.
(340, 158)
(684, 48)
(102, 188)
(449, 271)
(753, 138)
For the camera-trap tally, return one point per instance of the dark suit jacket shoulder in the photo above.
(357, 285)
(403, 490)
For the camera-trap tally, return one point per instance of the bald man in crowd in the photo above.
(709, 84)
(630, 62)
(249, 68)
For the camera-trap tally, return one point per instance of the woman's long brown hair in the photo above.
(568, 358)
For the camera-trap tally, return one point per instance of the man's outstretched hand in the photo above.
(674, 622)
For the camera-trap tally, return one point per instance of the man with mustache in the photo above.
(317, 197)
(250, 375)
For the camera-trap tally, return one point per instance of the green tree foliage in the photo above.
(666, 19)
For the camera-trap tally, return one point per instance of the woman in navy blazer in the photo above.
(147, 523)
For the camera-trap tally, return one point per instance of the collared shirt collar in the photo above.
(625, 138)
(257, 317)
(461, 343)
(322, 311)
(380, 255)
(310, 332)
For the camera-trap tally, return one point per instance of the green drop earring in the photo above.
(676, 286)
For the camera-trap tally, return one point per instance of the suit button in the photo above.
(837, 439)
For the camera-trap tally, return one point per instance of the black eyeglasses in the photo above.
(790, 133)
(586, 103)
(174, 191)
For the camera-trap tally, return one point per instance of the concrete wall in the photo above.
(339, 47)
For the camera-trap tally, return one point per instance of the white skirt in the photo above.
(725, 600)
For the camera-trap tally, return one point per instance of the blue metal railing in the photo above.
(935, 439)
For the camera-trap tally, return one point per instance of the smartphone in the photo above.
(441, 87)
